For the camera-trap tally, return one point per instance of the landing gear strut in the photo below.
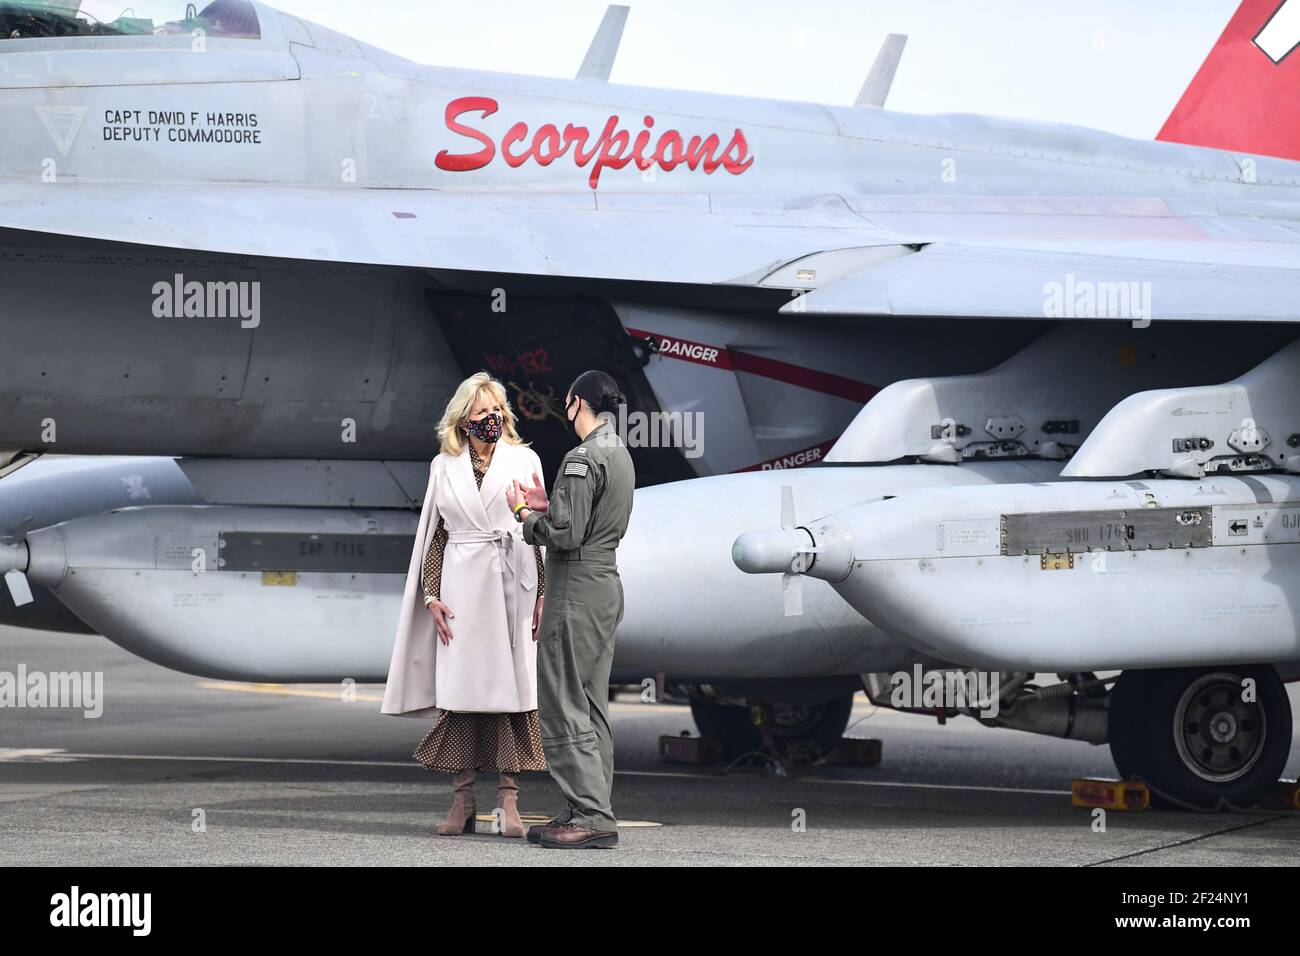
(1205, 738)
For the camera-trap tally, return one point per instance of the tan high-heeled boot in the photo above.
(460, 818)
(508, 801)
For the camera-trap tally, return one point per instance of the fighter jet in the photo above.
(234, 236)
(246, 230)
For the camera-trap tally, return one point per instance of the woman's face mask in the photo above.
(488, 428)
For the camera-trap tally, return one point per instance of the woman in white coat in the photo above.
(466, 648)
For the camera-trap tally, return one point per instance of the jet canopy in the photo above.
(63, 19)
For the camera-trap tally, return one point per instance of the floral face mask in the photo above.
(488, 428)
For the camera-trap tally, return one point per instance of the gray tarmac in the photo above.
(298, 775)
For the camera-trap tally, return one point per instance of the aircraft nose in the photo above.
(822, 551)
(771, 552)
(822, 548)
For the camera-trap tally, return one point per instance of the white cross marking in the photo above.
(1281, 34)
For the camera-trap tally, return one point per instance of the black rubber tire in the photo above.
(800, 735)
(1143, 744)
(729, 724)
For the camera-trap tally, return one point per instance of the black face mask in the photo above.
(571, 424)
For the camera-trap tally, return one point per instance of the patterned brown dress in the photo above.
(496, 743)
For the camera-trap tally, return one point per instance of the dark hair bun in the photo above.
(600, 391)
(609, 401)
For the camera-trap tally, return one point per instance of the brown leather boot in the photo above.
(460, 818)
(508, 801)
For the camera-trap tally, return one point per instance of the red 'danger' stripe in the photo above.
(796, 459)
(688, 351)
(737, 361)
(824, 382)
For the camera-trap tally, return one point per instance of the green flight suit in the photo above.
(587, 517)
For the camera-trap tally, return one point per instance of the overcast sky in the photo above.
(1118, 65)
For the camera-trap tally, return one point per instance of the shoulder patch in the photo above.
(578, 468)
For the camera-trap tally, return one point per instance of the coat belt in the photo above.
(510, 551)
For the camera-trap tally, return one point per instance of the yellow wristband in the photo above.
(520, 507)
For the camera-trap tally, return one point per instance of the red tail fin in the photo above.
(1246, 95)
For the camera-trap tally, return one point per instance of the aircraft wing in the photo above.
(686, 238)
(905, 256)
(1180, 280)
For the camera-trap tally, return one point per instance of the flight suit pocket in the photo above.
(561, 509)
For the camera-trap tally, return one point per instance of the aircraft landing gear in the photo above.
(796, 735)
(1205, 738)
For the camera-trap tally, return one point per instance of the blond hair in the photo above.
(462, 403)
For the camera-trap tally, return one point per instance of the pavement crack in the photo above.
(1189, 840)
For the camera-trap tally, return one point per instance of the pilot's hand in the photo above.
(535, 496)
(537, 615)
(441, 614)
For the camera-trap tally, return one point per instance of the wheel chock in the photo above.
(1092, 792)
(856, 752)
(1285, 796)
(692, 750)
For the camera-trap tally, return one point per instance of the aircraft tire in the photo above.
(1197, 739)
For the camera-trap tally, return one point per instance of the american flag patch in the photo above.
(578, 468)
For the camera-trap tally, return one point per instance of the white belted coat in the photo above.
(489, 581)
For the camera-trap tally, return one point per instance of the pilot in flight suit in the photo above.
(581, 524)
